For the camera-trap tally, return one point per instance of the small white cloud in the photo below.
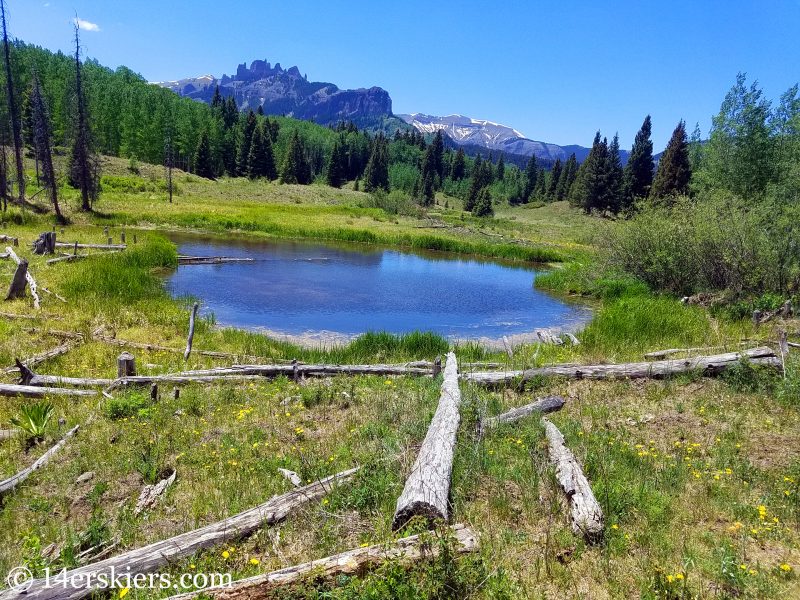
(86, 25)
(46, 4)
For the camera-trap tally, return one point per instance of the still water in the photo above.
(304, 288)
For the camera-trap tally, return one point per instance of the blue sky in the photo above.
(557, 71)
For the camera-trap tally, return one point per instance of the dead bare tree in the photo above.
(13, 109)
(43, 148)
(83, 167)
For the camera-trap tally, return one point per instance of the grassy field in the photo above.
(699, 479)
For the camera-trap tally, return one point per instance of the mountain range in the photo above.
(280, 91)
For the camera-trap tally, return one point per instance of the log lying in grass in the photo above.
(28, 277)
(585, 511)
(153, 557)
(406, 551)
(707, 365)
(211, 260)
(156, 348)
(541, 406)
(7, 434)
(93, 246)
(15, 316)
(8, 238)
(73, 257)
(12, 482)
(671, 351)
(46, 355)
(427, 488)
(31, 391)
(323, 370)
(151, 493)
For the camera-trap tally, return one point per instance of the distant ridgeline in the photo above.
(134, 119)
(287, 92)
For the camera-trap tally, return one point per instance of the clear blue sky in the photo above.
(556, 71)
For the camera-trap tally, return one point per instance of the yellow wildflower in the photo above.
(124, 592)
(255, 561)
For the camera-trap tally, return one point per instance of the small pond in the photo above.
(306, 290)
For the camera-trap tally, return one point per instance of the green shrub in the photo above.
(711, 244)
(587, 280)
(126, 406)
(33, 419)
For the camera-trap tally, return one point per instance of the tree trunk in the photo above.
(585, 511)
(28, 277)
(354, 562)
(540, 407)
(126, 365)
(153, 557)
(706, 365)
(190, 339)
(13, 112)
(12, 482)
(427, 488)
(30, 391)
(19, 282)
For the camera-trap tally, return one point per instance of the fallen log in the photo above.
(31, 391)
(427, 488)
(707, 365)
(152, 557)
(548, 337)
(322, 370)
(93, 246)
(15, 316)
(291, 476)
(7, 434)
(28, 277)
(406, 550)
(8, 238)
(671, 351)
(211, 260)
(156, 348)
(43, 356)
(12, 482)
(585, 511)
(540, 406)
(61, 298)
(190, 339)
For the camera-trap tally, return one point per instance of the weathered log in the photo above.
(405, 551)
(585, 511)
(541, 406)
(61, 298)
(12, 482)
(427, 488)
(15, 316)
(8, 238)
(211, 260)
(93, 246)
(156, 348)
(7, 434)
(18, 282)
(319, 370)
(58, 380)
(547, 337)
(126, 365)
(47, 355)
(571, 337)
(151, 493)
(707, 365)
(190, 339)
(151, 558)
(28, 277)
(30, 391)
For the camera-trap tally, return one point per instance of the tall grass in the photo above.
(126, 275)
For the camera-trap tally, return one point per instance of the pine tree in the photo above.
(639, 170)
(203, 163)
(531, 172)
(335, 173)
(588, 190)
(243, 153)
(501, 169)
(674, 170)
(260, 110)
(83, 164)
(376, 174)
(43, 145)
(261, 162)
(540, 191)
(428, 190)
(296, 168)
(216, 99)
(459, 166)
(437, 150)
(13, 110)
(478, 181)
(614, 179)
(555, 175)
(483, 205)
(566, 178)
